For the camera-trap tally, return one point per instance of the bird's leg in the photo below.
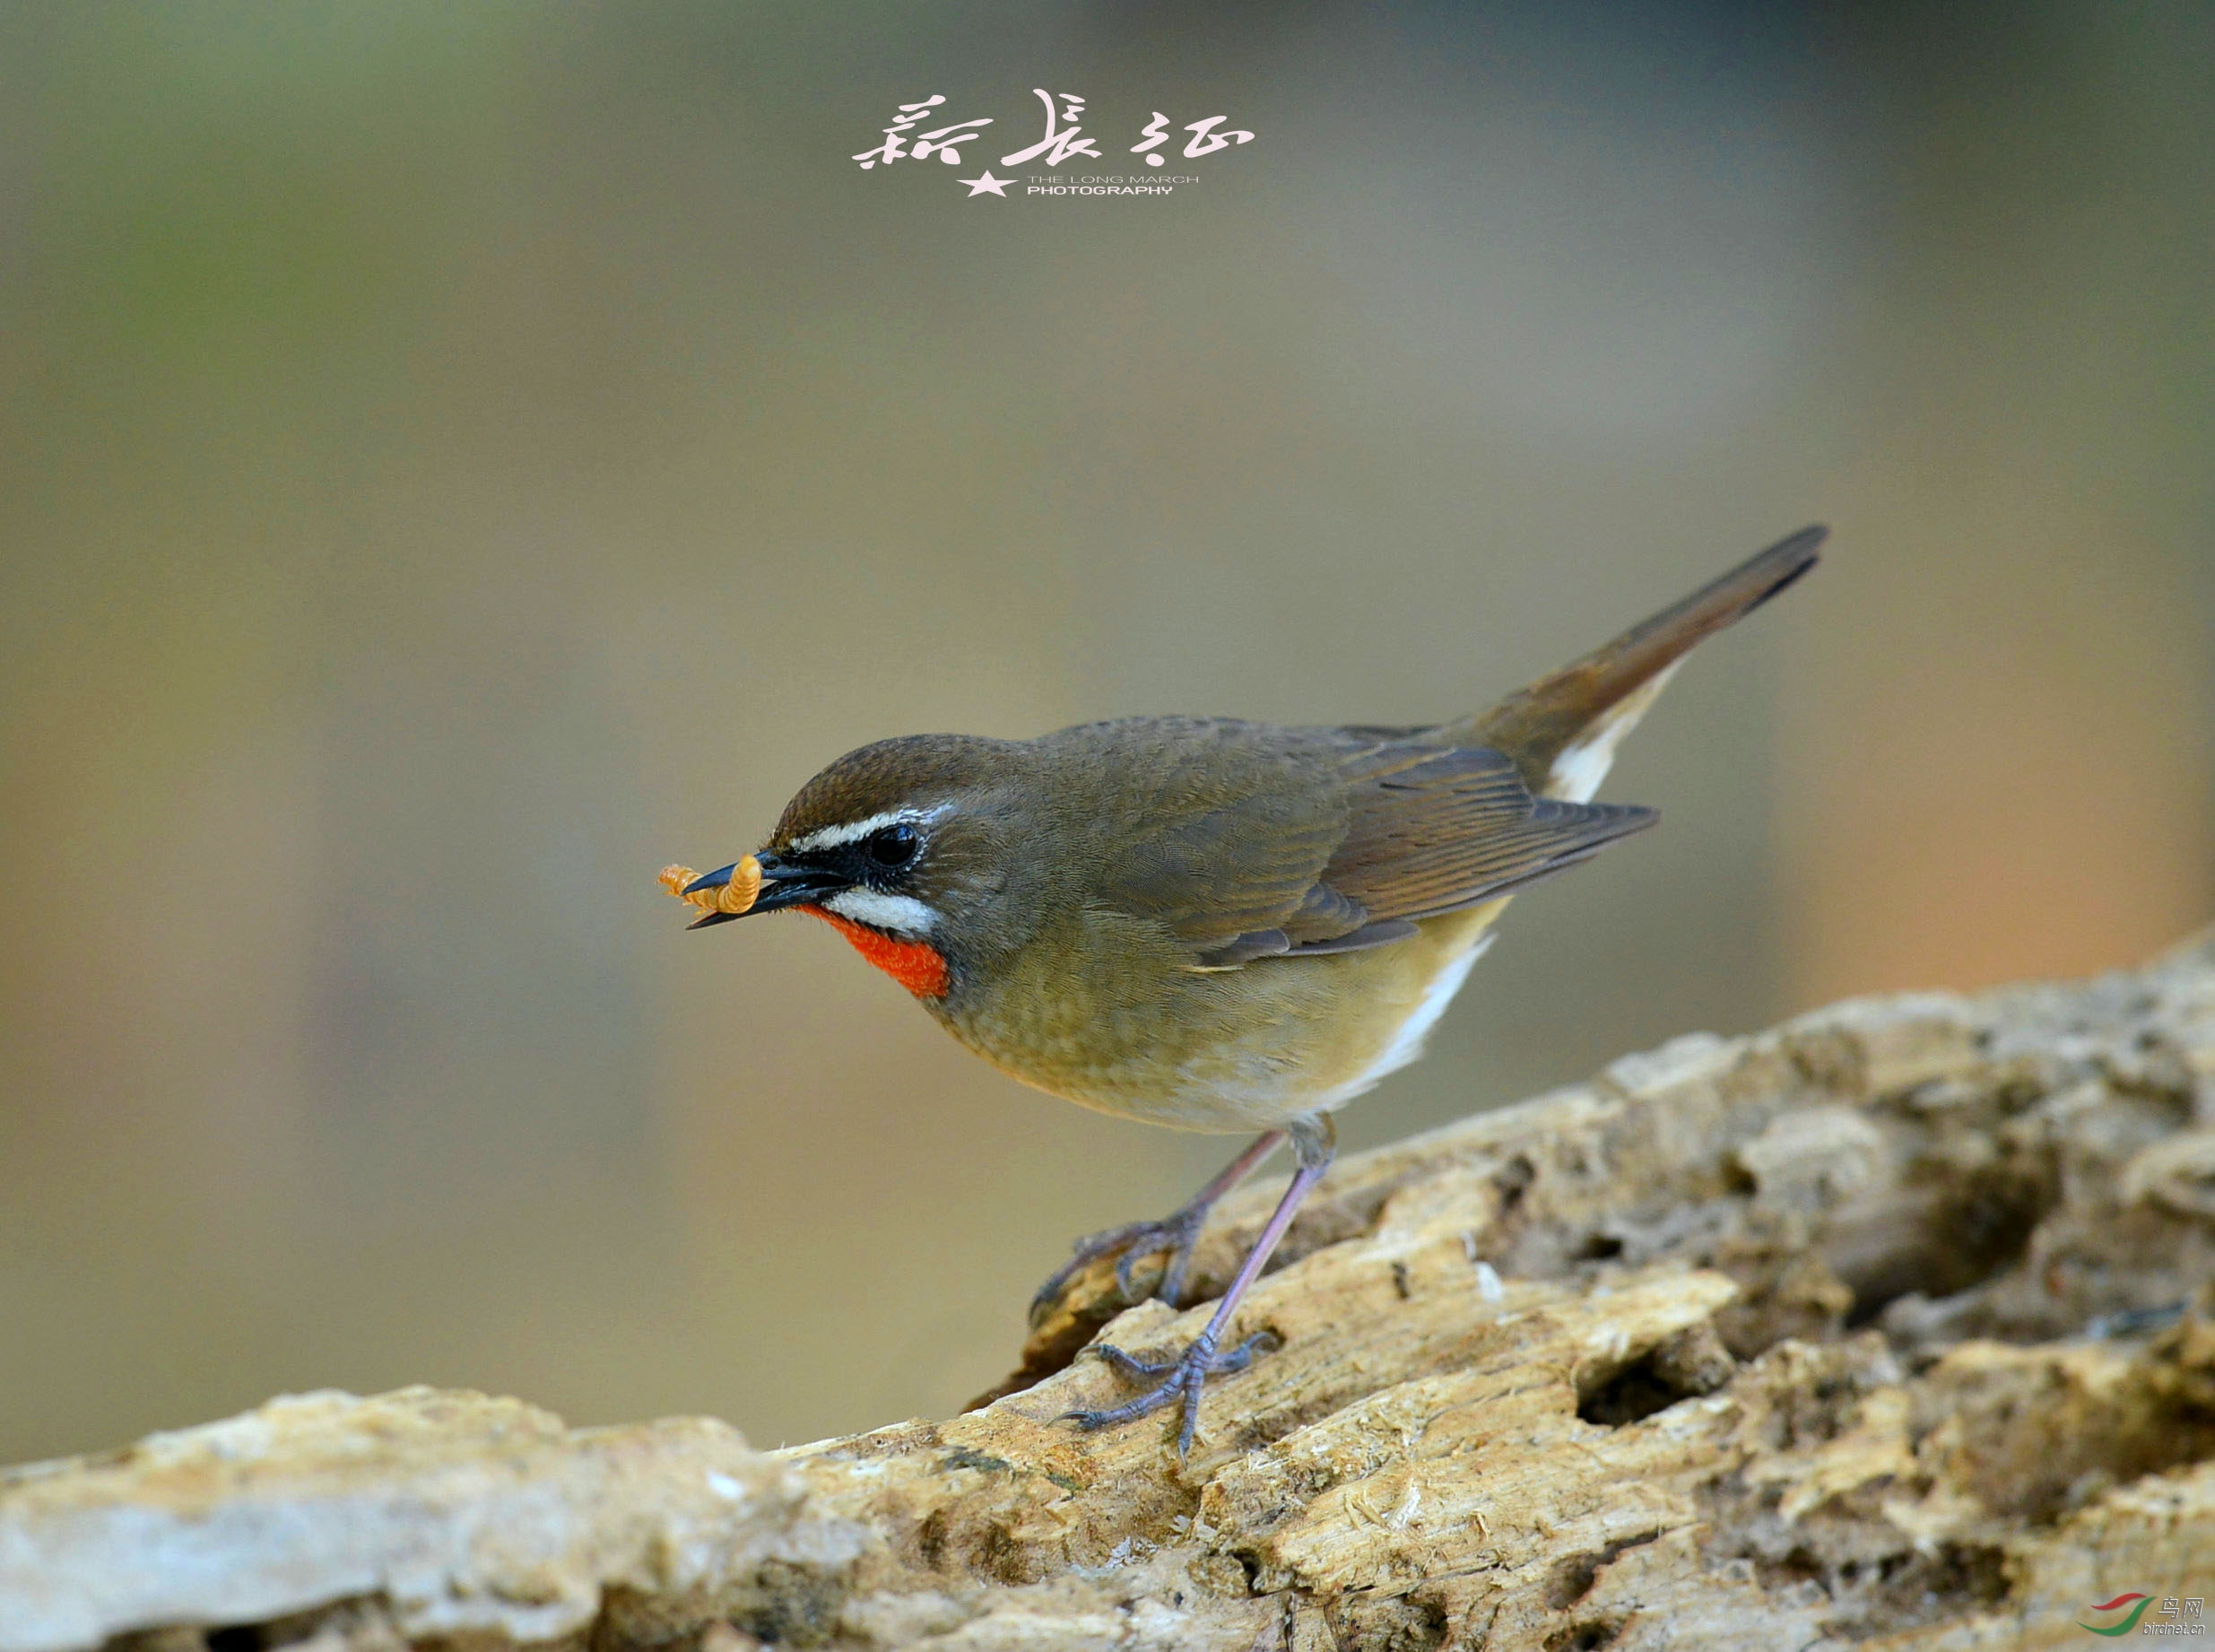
(1314, 1139)
(1175, 1233)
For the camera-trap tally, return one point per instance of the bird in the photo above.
(1212, 924)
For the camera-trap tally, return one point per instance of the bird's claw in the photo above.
(1130, 1244)
(1181, 1379)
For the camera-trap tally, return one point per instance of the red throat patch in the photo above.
(917, 965)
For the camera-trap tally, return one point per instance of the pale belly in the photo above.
(1221, 1050)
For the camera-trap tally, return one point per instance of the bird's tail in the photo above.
(1561, 731)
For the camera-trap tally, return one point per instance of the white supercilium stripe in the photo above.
(853, 831)
(902, 914)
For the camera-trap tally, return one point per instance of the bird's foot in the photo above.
(1175, 1380)
(1131, 1244)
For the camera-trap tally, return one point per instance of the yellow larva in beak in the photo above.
(720, 895)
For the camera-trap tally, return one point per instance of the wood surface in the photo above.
(1891, 1327)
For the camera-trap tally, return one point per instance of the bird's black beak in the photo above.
(784, 883)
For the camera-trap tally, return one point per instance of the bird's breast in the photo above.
(1110, 1013)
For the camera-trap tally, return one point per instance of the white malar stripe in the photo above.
(1576, 773)
(1407, 1043)
(903, 915)
(853, 831)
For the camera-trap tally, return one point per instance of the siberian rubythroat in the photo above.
(1214, 925)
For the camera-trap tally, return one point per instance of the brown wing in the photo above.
(1434, 831)
(1235, 822)
(1269, 841)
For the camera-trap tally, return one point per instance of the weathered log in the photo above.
(1891, 1327)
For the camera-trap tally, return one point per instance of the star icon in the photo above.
(989, 183)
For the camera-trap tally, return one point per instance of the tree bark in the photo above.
(1890, 1326)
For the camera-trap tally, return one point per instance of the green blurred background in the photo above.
(456, 459)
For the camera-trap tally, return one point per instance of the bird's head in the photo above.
(909, 847)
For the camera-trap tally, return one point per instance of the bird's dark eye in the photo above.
(895, 846)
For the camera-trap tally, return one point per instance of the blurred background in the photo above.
(456, 459)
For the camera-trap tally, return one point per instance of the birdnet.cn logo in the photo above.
(1064, 142)
(2138, 1611)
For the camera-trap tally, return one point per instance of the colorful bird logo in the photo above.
(2127, 1623)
